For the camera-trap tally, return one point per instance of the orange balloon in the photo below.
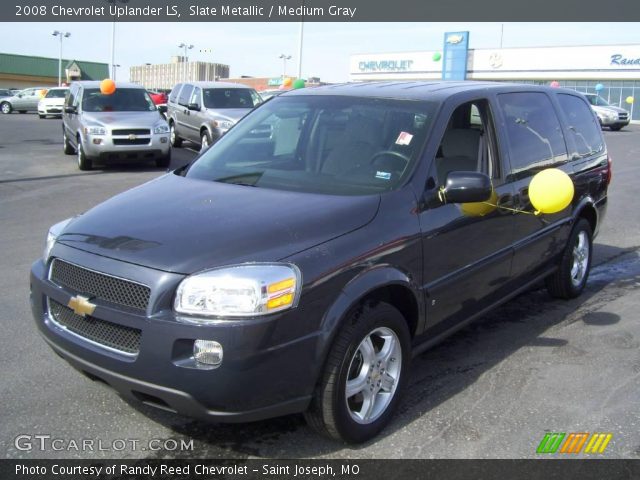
(287, 82)
(107, 86)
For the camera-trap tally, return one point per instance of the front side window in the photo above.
(321, 144)
(122, 100)
(467, 144)
(185, 95)
(195, 96)
(220, 98)
(173, 96)
(582, 123)
(534, 133)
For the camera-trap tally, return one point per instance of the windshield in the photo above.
(230, 98)
(55, 93)
(597, 101)
(322, 144)
(122, 100)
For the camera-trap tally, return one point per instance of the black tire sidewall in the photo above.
(381, 315)
(573, 290)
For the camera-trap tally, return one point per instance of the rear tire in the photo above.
(84, 163)
(573, 271)
(6, 108)
(176, 141)
(22, 111)
(364, 376)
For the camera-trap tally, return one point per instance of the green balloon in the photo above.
(436, 57)
(298, 83)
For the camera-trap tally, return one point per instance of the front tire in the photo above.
(84, 163)
(6, 108)
(41, 116)
(164, 162)
(205, 140)
(67, 148)
(175, 140)
(572, 274)
(365, 374)
(615, 128)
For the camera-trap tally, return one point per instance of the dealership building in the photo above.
(179, 69)
(615, 67)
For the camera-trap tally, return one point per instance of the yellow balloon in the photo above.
(287, 82)
(480, 209)
(550, 191)
(629, 99)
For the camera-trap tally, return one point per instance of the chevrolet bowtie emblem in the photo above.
(81, 305)
(132, 137)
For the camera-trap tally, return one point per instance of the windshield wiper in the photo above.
(242, 179)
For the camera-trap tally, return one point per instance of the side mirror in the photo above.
(194, 106)
(466, 187)
(162, 108)
(70, 109)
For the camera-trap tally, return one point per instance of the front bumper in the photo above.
(112, 148)
(50, 110)
(613, 122)
(269, 368)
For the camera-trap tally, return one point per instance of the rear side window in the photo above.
(582, 124)
(533, 129)
(173, 96)
(185, 94)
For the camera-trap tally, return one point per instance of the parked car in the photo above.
(300, 271)
(159, 98)
(123, 126)
(202, 112)
(52, 102)
(24, 101)
(609, 115)
(267, 94)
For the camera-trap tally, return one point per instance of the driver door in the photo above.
(467, 248)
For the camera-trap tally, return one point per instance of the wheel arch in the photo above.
(586, 209)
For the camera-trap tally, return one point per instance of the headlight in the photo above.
(161, 129)
(52, 236)
(240, 291)
(223, 124)
(95, 130)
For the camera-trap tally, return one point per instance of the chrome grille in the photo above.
(111, 335)
(95, 284)
(135, 141)
(131, 131)
(623, 116)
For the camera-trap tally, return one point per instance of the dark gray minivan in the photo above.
(202, 112)
(300, 271)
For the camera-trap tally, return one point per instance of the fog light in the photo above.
(208, 352)
(163, 140)
(97, 141)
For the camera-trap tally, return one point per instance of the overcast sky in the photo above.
(253, 48)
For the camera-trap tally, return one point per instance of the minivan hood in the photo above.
(608, 109)
(233, 114)
(185, 225)
(123, 119)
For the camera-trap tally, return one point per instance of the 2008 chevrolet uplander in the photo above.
(299, 263)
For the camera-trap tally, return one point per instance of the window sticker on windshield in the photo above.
(383, 175)
(404, 138)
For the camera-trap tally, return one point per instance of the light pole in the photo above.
(300, 39)
(114, 68)
(113, 41)
(186, 47)
(284, 58)
(61, 35)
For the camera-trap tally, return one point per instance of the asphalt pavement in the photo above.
(493, 390)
